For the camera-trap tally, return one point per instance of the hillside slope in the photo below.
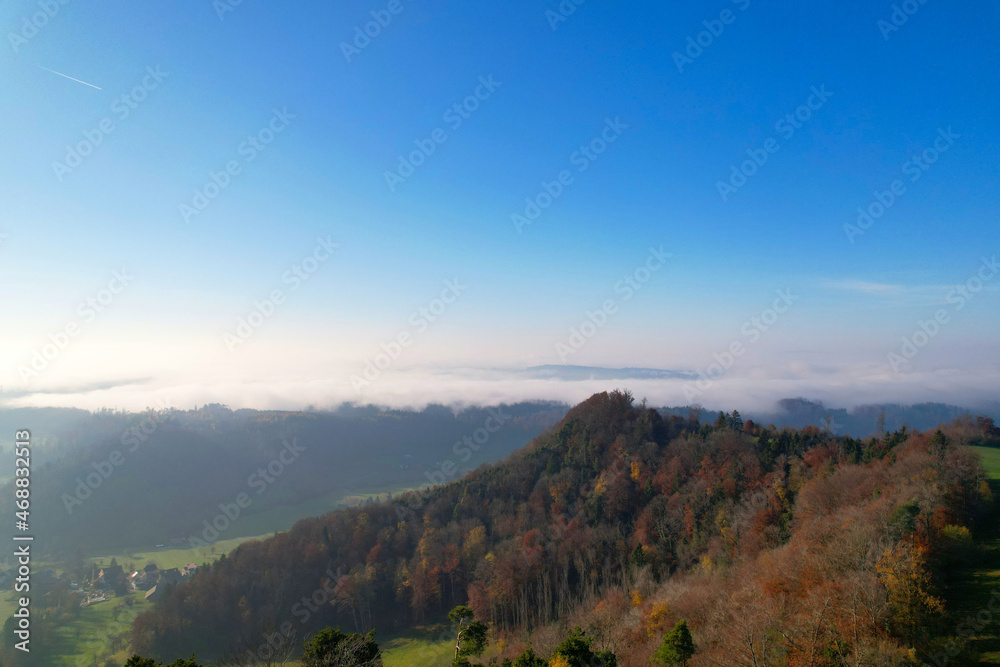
(607, 513)
(134, 481)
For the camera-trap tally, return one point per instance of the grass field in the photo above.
(991, 460)
(84, 642)
(430, 645)
(168, 558)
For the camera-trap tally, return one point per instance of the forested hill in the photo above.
(110, 481)
(619, 519)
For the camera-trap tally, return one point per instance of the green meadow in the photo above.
(973, 592)
(168, 558)
(85, 641)
(429, 645)
(991, 460)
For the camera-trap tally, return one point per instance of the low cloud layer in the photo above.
(747, 391)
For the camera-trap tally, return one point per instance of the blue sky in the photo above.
(655, 185)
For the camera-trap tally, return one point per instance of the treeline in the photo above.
(620, 520)
(862, 421)
(330, 647)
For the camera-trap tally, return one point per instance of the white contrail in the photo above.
(70, 78)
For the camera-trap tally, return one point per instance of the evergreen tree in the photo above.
(529, 659)
(938, 443)
(638, 557)
(577, 651)
(139, 661)
(471, 638)
(677, 647)
(332, 648)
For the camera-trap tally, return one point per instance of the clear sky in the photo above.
(635, 115)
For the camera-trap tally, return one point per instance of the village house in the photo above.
(111, 577)
(171, 576)
(143, 581)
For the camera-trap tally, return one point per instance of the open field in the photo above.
(168, 558)
(991, 460)
(85, 641)
(428, 645)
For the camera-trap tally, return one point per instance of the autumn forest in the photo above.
(642, 538)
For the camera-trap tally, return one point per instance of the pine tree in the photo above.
(677, 647)
(638, 557)
(938, 444)
(529, 659)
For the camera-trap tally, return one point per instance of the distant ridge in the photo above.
(861, 421)
(580, 373)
